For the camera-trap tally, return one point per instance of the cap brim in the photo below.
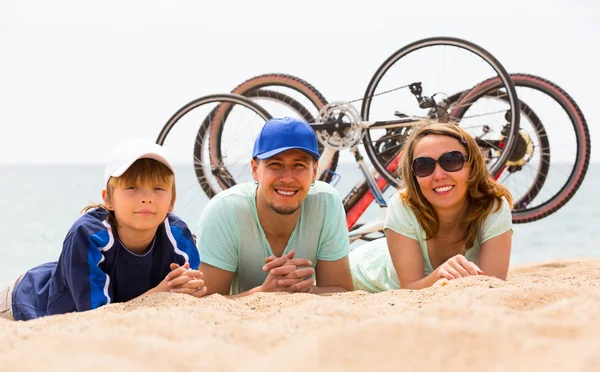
(270, 154)
(122, 169)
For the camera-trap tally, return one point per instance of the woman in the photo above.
(450, 221)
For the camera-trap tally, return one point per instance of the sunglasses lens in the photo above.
(452, 161)
(423, 167)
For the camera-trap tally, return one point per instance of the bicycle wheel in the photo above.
(540, 183)
(281, 95)
(417, 81)
(180, 134)
(224, 178)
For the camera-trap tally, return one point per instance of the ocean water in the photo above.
(40, 203)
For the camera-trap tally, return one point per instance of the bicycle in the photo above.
(466, 53)
(358, 199)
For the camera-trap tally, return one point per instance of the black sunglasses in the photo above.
(452, 161)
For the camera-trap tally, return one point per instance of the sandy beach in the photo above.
(545, 317)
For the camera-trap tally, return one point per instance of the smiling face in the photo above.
(442, 189)
(284, 180)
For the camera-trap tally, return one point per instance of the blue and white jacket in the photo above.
(95, 269)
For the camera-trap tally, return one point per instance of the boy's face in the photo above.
(140, 207)
(284, 180)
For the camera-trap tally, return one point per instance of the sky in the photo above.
(77, 76)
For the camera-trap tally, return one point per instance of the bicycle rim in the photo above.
(440, 78)
(281, 95)
(569, 139)
(195, 175)
(544, 182)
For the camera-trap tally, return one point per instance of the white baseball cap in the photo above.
(128, 152)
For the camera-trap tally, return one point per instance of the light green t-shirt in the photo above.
(371, 265)
(231, 238)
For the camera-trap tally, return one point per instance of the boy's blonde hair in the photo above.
(142, 171)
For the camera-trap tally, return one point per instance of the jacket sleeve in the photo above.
(80, 266)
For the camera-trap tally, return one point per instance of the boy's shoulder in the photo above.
(173, 220)
(91, 222)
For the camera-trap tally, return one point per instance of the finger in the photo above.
(200, 292)
(181, 279)
(192, 284)
(182, 290)
(279, 261)
(469, 266)
(472, 268)
(460, 269)
(175, 273)
(302, 285)
(445, 274)
(300, 273)
(476, 268)
(299, 262)
(173, 266)
(450, 270)
(282, 270)
(194, 273)
(288, 282)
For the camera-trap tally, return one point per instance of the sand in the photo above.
(546, 317)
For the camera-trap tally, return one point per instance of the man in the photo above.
(278, 232)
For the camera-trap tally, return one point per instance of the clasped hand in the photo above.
(287, 274)
(183, 280)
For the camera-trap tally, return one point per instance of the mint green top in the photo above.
(371, 264)
(231, 238)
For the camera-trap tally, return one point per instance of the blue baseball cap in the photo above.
(282, 134)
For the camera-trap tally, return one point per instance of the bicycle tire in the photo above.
(544, 150)
(253, 88)
(225, 179)
(504, 77)
(522, 214)
(201, 172)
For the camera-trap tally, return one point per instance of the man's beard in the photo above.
(284, 210)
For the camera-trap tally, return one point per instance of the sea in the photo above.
(39, 203)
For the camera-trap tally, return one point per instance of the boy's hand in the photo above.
(183, 280)
(163, 286)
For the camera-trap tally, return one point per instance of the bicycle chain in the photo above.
(378, 94)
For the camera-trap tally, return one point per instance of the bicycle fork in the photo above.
(371, 183)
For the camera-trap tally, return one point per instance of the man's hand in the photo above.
(287, 274)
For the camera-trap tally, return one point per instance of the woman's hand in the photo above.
(457, 267)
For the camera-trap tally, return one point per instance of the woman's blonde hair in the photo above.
(483, 191)
(143, 171)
